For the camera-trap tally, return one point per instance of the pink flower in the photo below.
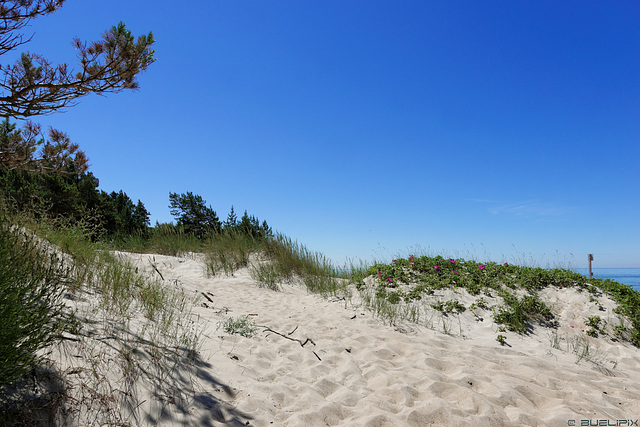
(391, 281)
(379, 273)
(506, 264)
(436, 268)
(412, 263)
(411, 257)
(455, 271)
(481, 266)
(452, 261)
(572, 326)
(393, 260)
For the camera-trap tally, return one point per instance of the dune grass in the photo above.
(32, 281)
(229, 251)
(161, 348)
(288, 261)
(164, 239)
(51, 259)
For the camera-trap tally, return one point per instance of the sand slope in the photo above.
(353, 370)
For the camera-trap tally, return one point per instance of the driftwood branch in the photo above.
(302, 344)
(156, 269)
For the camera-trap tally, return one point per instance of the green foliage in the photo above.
(266, 275)
(119, 216)
(593, 321)
(229, 251)
(195, 217)
(628, 301)
(34, 86)
(31, 286)
(287, 261)
(240, 326)
(62, 195)
(394, 297)
(74, 197)
(501, 339)
(250, 225)
(26, 149)
(516, 314)
(168, 239)
(479, 303)
(421, 276)
(597, 326)
(192, 213)
(450, 306)
(232, 220)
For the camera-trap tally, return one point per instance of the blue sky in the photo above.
(496, 130)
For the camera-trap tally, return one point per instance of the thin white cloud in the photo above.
(528, 209)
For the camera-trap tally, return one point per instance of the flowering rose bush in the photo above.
(415, 277)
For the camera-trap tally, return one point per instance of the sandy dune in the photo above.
(353, 370)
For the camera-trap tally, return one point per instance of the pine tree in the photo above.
(245, 223)
(193, 214)
(34, 86)
(232, 220)
(265, 230)
(140, 217)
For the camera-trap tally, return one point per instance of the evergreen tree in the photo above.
(121, 216)
(245, 223)
(265, 230)
(193, 214)
(140, 217)
(28, 149)
(34, 86)
(251, 225)
(232, 220)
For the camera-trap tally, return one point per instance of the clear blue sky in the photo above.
(498, 130)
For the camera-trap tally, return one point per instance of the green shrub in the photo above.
(242, 326)
(451, 306)
(31, 286)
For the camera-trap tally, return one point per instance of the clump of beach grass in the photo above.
(163, 239)
(229, 251)
(32, 282)
(159, 352)
(286, 261)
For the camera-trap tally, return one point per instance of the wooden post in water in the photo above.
(590, 272)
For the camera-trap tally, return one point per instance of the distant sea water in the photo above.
(627, 276)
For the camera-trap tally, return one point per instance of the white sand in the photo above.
(357, 371)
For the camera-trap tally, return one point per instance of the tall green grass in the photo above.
(230, 251)
(164, 239)
(287, 261)
(32, 281)
(40, 260)
(272, 261)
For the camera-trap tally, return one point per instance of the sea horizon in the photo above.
(627, 276)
